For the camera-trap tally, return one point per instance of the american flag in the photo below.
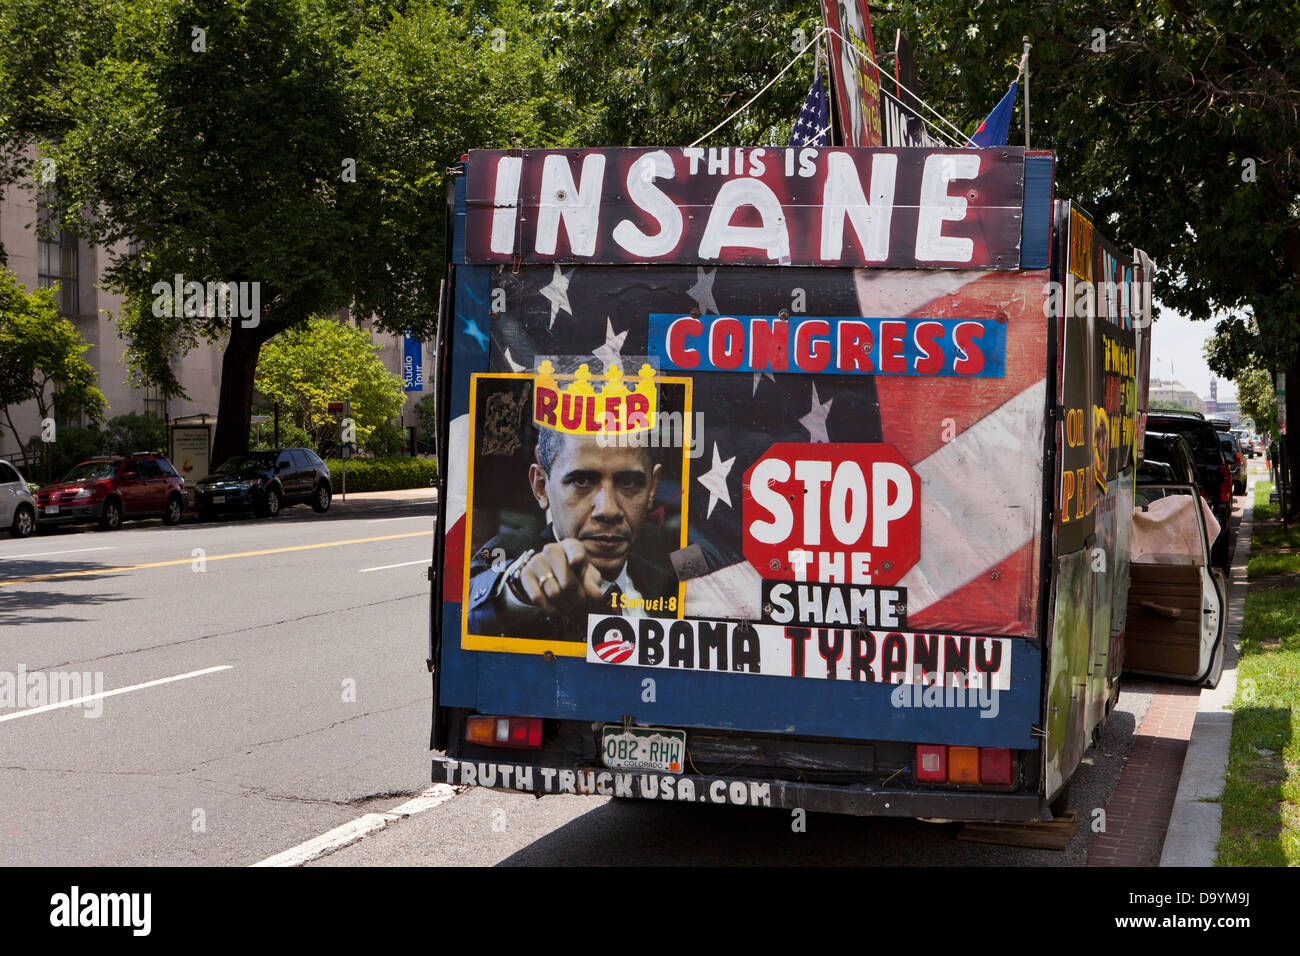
(812, 125)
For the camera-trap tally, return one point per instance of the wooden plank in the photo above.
(1036, 834)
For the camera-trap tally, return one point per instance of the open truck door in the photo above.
(1176, 600)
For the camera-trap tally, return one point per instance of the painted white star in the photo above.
(609, 353)
(557, 293)
(702, 291)
(757, 376)
(815, 420)
(715, 480)
(510, 360)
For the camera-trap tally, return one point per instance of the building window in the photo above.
(155, 403)
(56, 261)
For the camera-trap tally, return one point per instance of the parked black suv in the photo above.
(1167, 459)
(1213, 476)
(265, 482)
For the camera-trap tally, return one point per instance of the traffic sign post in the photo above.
(343, 409)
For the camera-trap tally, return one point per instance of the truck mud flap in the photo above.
(853, 799)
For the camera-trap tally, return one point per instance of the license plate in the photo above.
(51, 509)
(643, 748)
(218, 499)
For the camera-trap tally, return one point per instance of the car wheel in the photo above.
(271, 505)
(321, 501)
(111, 519)
(24, 523)
(174, 509)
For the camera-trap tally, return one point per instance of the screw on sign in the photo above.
(837, 512)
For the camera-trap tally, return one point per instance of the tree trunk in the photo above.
(1292, 440)
(235, 405)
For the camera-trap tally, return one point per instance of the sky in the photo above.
(1176, 353)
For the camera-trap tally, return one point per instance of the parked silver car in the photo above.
(17, 506)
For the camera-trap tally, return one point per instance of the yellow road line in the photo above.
(214, 557)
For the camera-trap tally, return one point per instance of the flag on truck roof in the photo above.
(813, 123)
(993, 131)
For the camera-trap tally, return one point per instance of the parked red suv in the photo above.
(112, 489)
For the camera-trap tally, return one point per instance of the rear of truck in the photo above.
(840, 368)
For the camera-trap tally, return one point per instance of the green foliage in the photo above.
(324, 361)
(428, 86)
(134, 432)
(383, 474)
(291, 435)
(122, 435)
(41, 358)
(426, 415)
(1170, 404)
(73, 444)
(664, 72)
(388, 440)
(1258, 399)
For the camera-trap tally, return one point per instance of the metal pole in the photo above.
(1027, 47)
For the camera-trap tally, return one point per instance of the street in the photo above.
(286, 695)
(321, 711)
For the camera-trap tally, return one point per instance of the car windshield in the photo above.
(253, 464)
(92, 471)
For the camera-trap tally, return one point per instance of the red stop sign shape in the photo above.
(847, 513)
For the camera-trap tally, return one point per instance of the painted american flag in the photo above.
(977, 445)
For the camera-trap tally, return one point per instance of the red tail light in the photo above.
(517, 732)
(995, 766)
(1225, 485)
(932, 763)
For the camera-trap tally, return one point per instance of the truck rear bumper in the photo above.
(853, 799)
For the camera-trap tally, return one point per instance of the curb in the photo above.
(370, 504)
(1196, 821)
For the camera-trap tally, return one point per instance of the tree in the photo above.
(41, 359)
(1257, 398)
(323, 361)
(443, 78)
(229, 124)
(664, 72)
(1171, 405)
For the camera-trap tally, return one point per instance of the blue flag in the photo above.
(412, 364)
(993, 131)
(812, 125)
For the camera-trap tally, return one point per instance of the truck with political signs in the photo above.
(799, 478)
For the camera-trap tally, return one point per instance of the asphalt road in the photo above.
(320, 715)
(230, 766)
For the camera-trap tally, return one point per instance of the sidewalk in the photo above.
(1159, 814)
(1194, 825)
(371, 500)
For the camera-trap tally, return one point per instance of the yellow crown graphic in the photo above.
(582, 409)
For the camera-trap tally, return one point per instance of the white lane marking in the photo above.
(363, 826)
(402, 518)
(42, 554)
(112, 693)
(404, 564)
